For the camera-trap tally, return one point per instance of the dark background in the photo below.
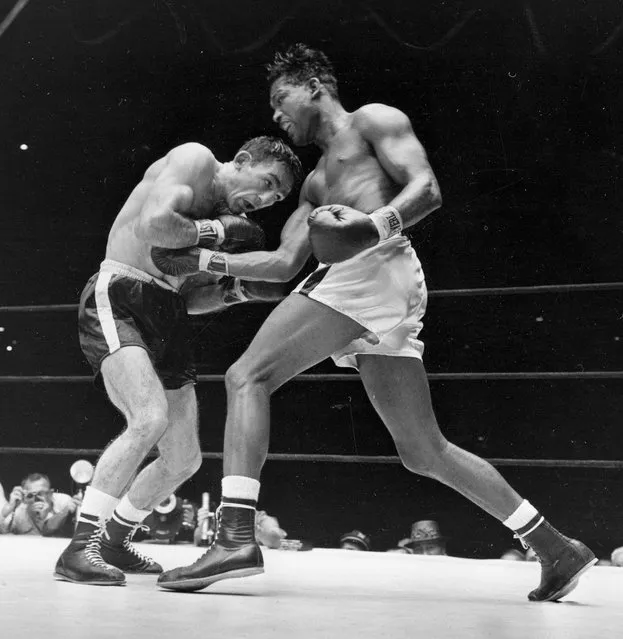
(520, 109)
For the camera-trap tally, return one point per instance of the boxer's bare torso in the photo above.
(349, 172)
(127, 246)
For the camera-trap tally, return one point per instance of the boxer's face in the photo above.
(294, 110)
(257, 186)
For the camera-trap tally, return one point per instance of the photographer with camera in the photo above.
(34, 508)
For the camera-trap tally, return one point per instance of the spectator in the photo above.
(267, 529)
(617, 557)
(426, 539)
(3, 503)
(513, 555)
(355, 540)
(399, 549)
(34, 508)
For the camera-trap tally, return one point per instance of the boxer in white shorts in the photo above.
(383, 289)
(372, 180)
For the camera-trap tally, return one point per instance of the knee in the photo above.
(148, 425)
(244, 375)
(182, 464)
(426, 459)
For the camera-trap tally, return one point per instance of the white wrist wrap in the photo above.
(387, 221)
(204, 259)
(214, 227)
(213, 262)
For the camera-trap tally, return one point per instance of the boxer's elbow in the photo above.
(433, 193)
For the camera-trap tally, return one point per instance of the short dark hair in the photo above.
(300, 63)
(35, 477)
(266, 147)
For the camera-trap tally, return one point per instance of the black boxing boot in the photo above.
(82, 563)
(563, 560)
(234, 553)
(117, 548)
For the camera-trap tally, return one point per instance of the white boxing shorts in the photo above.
(381, 288)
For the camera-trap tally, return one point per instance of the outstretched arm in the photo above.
(211, 298)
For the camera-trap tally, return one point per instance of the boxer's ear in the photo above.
(314, 85)
(242, 158)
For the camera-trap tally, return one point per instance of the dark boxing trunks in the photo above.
(123, 306)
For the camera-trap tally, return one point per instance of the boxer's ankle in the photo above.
(236, 514)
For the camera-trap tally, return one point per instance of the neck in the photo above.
(220, 180)
(331, 118)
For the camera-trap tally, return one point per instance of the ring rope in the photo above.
(456, 292)
(350, 377)
(342, 459)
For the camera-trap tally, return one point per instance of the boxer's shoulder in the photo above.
(192, 155)
(375, 115)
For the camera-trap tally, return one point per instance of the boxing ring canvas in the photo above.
(323, 593)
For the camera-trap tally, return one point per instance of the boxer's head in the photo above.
(300, 79)
(264, 171)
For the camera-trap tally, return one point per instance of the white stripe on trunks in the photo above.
(104, 312)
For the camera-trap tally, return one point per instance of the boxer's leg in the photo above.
(135, 389)
(299, 333)
(180, 458)
(398, 389)
(180, 452)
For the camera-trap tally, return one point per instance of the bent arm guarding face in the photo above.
(280, 265)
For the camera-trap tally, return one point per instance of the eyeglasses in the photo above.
(42, 494)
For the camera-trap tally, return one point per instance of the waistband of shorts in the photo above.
(119, 268)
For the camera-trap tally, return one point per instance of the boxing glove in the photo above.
(230, 233)
(337, 233)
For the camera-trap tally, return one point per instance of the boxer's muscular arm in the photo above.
(211, 298)
(400, 153)
(282, 264)
(162, 221)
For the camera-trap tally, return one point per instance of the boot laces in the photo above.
(526, 546)
(92, 550)
(129, 547)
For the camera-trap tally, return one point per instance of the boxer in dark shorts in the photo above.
(135, 333)
(121, 306)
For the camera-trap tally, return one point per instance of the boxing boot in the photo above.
(234, 553)
(82, 562)
(563, 561)
(117, 548)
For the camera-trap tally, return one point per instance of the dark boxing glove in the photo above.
(238, 235)
(337, 232)
(230, 233)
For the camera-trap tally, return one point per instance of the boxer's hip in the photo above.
(381, 287)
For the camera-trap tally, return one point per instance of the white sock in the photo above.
(97, 503)
(239, 487)
(524, 514)
(127, 511)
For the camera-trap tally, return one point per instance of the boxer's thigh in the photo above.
(298, 334)
(133, 385)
